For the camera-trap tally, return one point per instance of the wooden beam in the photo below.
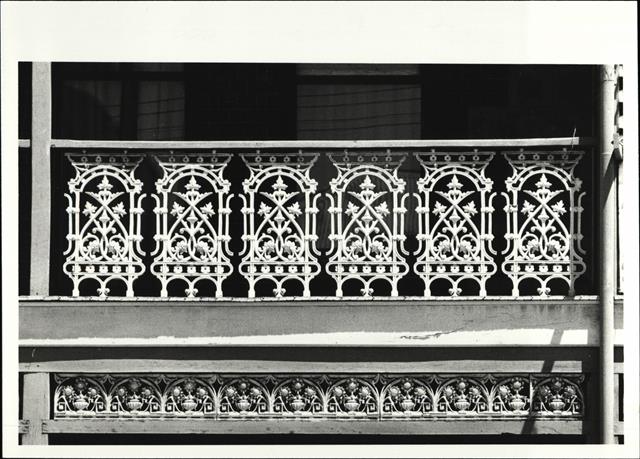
(24, 143)
(40, 178)
(113, 365)
(35, 408)
(436, 426)
(326, 144)
(390, 323)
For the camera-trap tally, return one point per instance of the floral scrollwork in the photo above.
(367, 222)
(190, 397)
(279, 223)
(299, 396)
(352, 397)
(462, 396)
(558, 396)
(80, 396)
(192, 218)
(243, 397)
(544, 220)
(135, 396)
(509, 396)
(407, 397)
(454, 224)
(104, 223)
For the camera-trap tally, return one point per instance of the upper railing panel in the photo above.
(328, 221)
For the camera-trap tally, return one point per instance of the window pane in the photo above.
(161, 110)
(358, 111)
(87, 109)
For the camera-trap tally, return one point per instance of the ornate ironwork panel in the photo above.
(455, 215)
(243, 397)
(407, 397)
(558, 396)
(399, 396)
(367, 220)
(192, 222)
(543, 219)
(104, 222)
(279, 221)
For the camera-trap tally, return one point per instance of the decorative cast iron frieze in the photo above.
(379, 396)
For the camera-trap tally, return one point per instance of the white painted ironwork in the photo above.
(393, 396)
(245, 397)
(455, 220)
(512, 395)
(543, 219)
(279, 221)
(189, 396)
(461, 395)
(407, 397)
(558, 396)
(366, 213)
(354, 396)
(298, 397)
(104, 222)
(367, 220)
(192, 222)
(136, 396)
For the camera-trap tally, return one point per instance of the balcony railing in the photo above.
(316, 218)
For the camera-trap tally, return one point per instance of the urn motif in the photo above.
(351, 403)
(297, 404)
(407, 404)
(189, 404)
(243, 404)
(461, 403)
(557, 404)
(134, 403)
(516, 403)
(80, 403)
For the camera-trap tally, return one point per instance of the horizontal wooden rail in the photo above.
(442, 426)
(360, 323)
(24, 143)
(35, 300)
(317, 144)
(187, 365)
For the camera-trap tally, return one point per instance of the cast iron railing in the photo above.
(362, 194)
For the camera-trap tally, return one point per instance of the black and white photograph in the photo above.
(214, 246)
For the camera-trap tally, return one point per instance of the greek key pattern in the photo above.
(405, 396)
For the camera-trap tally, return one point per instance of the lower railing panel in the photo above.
(225, 397)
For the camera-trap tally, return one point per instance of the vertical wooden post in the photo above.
(607, 249)
(35, 407)
(40, 178)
